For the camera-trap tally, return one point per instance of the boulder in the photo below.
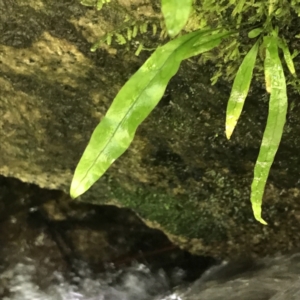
(180, 174)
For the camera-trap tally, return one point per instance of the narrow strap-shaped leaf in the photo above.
(176, 14)
(268, 64)
(274, 128)
(287, 56)
(238, 8)
(240, 90)
(204, 43)
(136, 99)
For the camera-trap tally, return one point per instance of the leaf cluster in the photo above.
(129, 31)
(223, 21)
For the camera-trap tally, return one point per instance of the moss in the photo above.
(178, 215)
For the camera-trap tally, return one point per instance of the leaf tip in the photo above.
(229, 129)
(257, 213)
(261, 220)
(76, 189)
(228, 134)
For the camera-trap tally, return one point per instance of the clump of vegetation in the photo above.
(195, 29)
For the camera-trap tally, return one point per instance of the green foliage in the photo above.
(145, 88)
(134, 102)
(240, 90)
(254, 14)
(276, 86)
(96, 3)
(287, 56)
(255, 33)
(275, 123)
(176, 14)
(129, 31)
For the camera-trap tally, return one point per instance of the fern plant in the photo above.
(276, 86)
(142, 92)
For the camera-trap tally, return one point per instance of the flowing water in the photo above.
(135, 282)
(268, 279)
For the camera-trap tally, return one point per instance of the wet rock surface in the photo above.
(180, 174)
(276, 278)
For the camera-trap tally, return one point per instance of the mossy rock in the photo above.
(180, 174)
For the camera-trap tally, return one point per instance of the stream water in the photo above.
(135, 282)
(268, 279)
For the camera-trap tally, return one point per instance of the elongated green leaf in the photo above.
(268, 63)
(176, 14)
(239, 7)
(255, 33)
(240, 90)
(132, 105)
(274, 128)
(287, 56)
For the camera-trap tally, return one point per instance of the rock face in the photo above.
(180, 174)
(262, 280)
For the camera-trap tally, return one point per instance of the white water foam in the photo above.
(134, 283)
